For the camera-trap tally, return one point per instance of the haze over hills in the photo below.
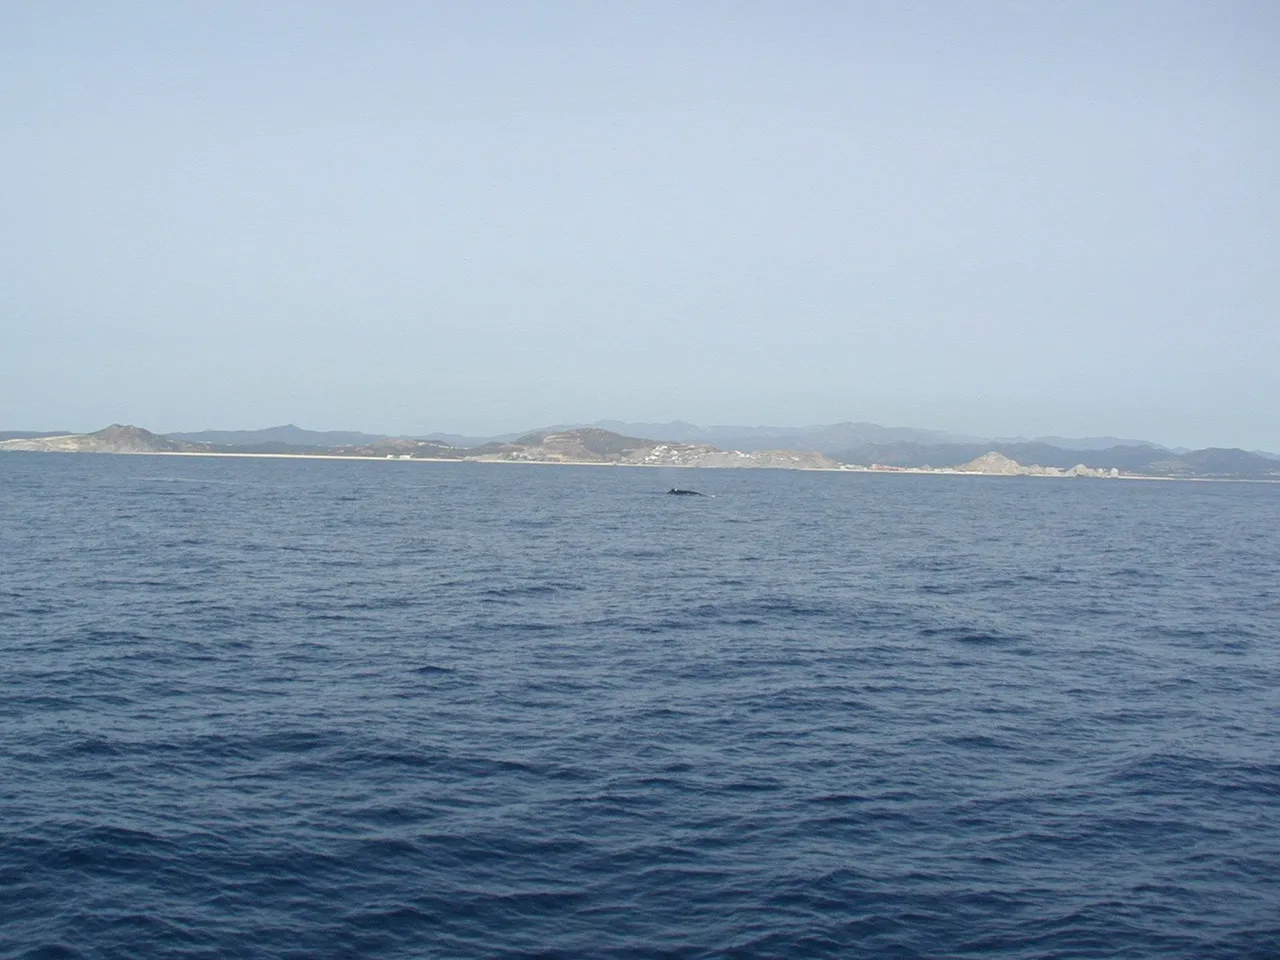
(287, 434)
(1145, 460)
(32, 434)
(596, 445)
(117, 438)
(466, 440)
(874, 447)
(1086, 443)
(867, 442)
(825, 438)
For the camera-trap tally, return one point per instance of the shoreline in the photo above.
(899, 471)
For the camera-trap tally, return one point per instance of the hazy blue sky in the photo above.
(995, 218)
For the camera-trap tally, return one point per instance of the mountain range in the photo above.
(287, 435)
(828, 438)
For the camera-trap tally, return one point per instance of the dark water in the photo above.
(262, 708)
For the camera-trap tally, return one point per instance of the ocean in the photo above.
(305, 708)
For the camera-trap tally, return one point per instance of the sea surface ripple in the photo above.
(276, 708)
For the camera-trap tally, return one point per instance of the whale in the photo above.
(678, 492)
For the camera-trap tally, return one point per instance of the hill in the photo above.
(595, 445)
(824, 439)
(279, 437)
(582, 445)
(1151, 461)
(997, 464)
(1091, 443)
(117, 438)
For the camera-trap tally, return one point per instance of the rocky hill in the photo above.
(279, 439)
(117, 438)
(583, 445)
(825, 439)
(595, 445)
(1138, 460)
(997, 464)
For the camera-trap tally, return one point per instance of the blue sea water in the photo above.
(286, 708)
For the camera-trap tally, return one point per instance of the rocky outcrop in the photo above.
(997, 464)
(994, 463)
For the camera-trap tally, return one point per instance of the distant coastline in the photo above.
(844, 468)
(595, 446)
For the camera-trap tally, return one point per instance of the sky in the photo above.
(996, 218)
